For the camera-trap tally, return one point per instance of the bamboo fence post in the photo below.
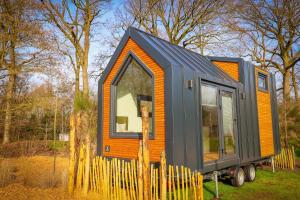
(146, 160)
(186, 183)
(135, 178)
(173, 182)
(199, 186)
(123, 181)
(194, 186)
(72, 155)
(80, 168)
(87, 166)
(126, 180)
(163, 176)
(182, 183)
(190, 180)
(156, 184)
(151, 182)
(140, 172)
(178, 183)
(169, 182)
(294, 157)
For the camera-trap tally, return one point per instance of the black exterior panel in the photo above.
(275, 121)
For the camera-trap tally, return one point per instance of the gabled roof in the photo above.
(167, 54)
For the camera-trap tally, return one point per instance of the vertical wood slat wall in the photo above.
(231, 68)
(124, 147)
(264, 117)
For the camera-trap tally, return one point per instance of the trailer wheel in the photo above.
(250, 173)
(239, 177)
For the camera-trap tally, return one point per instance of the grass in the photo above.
(268, 185)
(59, 145)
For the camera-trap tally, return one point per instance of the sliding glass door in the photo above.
(218, 122)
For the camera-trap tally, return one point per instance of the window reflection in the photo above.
(133, 90)
(228, 123)
(210, 123)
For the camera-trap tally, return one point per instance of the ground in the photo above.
(31, 177)
(268, 185)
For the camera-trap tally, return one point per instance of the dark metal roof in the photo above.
(186, 58)
(167, 55)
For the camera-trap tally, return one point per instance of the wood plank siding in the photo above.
(264, 117)
(125, 147)
(231, 68)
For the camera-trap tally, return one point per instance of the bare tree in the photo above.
(271, 31)
(75, 25)
(183, 22)
(75, 19)
(22, 47)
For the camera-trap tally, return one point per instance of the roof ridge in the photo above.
(139, 30)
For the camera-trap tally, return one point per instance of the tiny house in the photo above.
(207, 113)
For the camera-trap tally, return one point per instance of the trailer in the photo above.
(207, 113)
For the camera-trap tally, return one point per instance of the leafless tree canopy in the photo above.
(271, 32)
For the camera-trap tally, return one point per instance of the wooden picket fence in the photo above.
(134, 179)
(119, 179)
(286, 159)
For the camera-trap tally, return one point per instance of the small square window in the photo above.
(262, 81)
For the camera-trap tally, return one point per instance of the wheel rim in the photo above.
(241, 177)
(252, 173)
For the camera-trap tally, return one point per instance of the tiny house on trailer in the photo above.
(207, 113)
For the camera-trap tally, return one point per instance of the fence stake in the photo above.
(72, 155)
(140, 172)
(146, 160)
(216, 181)
(272, 163)
(163, 177)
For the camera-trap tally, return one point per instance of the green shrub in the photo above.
(297, 152)
(59, 145)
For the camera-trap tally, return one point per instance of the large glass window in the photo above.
(133, 90)
(210, 127)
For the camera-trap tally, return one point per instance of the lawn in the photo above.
(268, 185)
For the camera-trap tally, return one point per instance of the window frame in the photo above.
(266, 77)
(113, 105)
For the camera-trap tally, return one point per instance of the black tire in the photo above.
(250, 173)
(239, 177)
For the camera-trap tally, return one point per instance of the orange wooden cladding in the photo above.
(231, 68)
(125, 147)
(264, 118)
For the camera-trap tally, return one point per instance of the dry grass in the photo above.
(6, 176)
(36, 171)
(32, 178)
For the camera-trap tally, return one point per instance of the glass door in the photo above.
(228, 117)
(219, 128)
(210, 123)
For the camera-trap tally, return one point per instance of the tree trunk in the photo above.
(85, 63)
(8, 110)
(295, 85)
(286, 85)
(77, 89)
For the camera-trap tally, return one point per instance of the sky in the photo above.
(101, 33)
